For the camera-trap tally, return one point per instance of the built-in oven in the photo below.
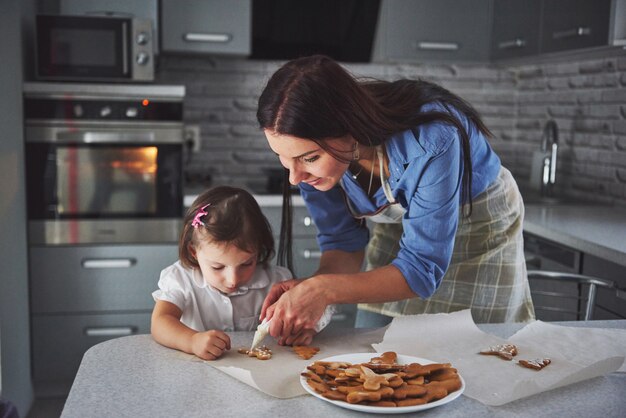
(103, 163)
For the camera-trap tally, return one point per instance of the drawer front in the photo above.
(106, 278)
(302, 222)
(59, 341)
(306, 256)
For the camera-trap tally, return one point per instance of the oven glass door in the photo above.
(95, 181)
(83, 47)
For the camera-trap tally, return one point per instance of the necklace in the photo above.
(354, 176)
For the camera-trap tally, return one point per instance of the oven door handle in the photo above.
(91, 137)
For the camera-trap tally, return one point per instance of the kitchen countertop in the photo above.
(592, 229)
(136, 377)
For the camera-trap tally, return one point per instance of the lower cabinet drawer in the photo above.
(59, 342)
(96, 278)
(306, 256)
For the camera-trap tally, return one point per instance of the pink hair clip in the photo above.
(199, 214)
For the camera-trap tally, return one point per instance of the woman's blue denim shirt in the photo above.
(426, 167)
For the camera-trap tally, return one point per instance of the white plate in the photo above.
(364, 358)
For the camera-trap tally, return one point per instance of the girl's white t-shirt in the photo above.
(205, 308)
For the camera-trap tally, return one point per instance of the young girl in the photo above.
(222, 277)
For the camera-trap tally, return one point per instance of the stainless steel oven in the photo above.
(103, 163)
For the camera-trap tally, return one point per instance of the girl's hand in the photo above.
(210, 345)
(297, 309)
(274, 294)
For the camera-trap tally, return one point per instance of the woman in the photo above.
(412, 158)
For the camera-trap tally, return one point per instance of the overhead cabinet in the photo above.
(533, 27)
(435, 30)
(206, 26)
(516, 31)
(574, 24)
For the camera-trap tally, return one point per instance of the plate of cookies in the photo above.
(386, 383)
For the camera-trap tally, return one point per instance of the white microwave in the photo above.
(94, 48)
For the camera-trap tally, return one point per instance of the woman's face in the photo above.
(224, 266)
(307, 162)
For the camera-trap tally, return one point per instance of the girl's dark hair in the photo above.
(233, 217)
(316, 98)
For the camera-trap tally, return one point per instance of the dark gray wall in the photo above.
(586, 95)
(14, 323)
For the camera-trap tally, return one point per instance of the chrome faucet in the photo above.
(549, 146)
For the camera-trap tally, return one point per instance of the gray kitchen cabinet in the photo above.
(516, 28)
(608, 305)
(83, 295)
(305, 250)
(574, 24)
(543, 254)
(59, 342)
(206, 26)
(434, 30)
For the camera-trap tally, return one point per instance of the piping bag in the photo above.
(261, 332)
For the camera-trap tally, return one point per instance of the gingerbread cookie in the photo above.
(262, 353)
(504, 351)
(536, 364)
(305, 352)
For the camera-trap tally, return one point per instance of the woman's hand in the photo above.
(274, 294)
(297, 309)
(210, 345)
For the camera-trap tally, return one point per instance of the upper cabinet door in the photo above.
(516, 28)
(575, 24)
(435, 30)
(206, 26)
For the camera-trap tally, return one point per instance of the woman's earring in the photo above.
(355, 152)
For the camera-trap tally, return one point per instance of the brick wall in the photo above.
(587, 98)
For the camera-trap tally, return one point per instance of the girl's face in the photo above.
(224, 266)
(309, 163)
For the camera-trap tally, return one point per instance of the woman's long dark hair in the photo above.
(317, 99)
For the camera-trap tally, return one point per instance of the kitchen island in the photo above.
(136, 377)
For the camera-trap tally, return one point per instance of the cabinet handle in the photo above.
(109, 331)
(308, 254)
(208, 37)
(307, 221)
(438, 46)
(513, 43)
(572, 33)
(339, 317)
(109, 263)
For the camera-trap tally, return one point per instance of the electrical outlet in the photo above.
(192, 137)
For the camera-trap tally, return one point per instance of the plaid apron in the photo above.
(487, 272)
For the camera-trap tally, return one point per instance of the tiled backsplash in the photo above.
(586, 97)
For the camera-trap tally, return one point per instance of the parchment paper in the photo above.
(280, 376)
(576, 353)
